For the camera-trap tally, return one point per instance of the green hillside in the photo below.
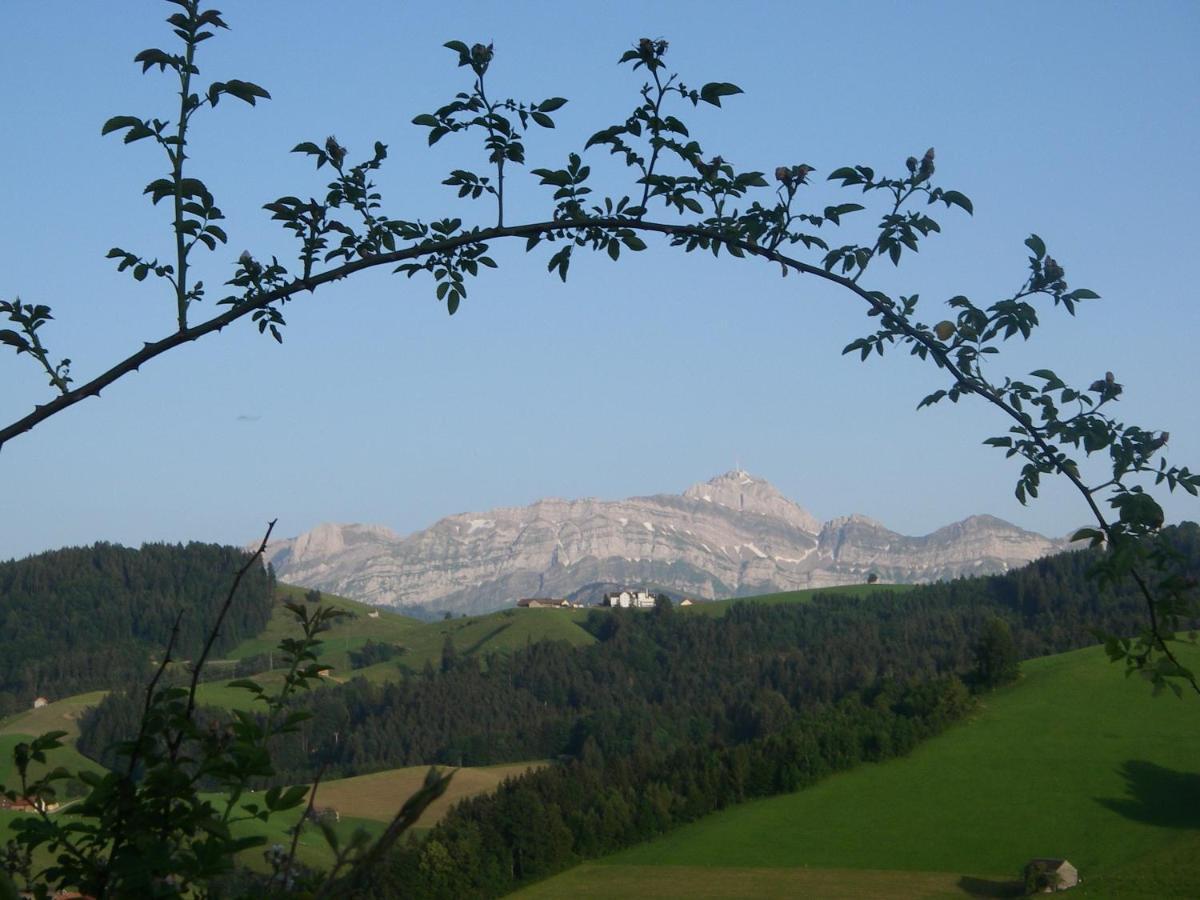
(498, 632)
(720, 607)
(1073, 761)
(380, 795)
(348, 633)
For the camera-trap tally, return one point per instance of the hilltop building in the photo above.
(543, 603)
(629, 599)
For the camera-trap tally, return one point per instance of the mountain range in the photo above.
(735, 535)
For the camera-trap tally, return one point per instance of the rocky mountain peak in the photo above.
(735, 534)
(737, 489)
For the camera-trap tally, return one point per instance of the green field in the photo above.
(61, 715)
(720, 607)
(500, 632)
(1074, 761)
(380, 795)
(66, 756)
(348, 633)
(611, 881)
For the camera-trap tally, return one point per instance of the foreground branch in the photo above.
(571, 227)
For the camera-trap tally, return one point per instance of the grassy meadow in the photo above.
(61, 715)
(720, 607)
(499, 632)
(380, 795)
(1073, 761)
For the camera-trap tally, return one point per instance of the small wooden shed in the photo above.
(1048, 875)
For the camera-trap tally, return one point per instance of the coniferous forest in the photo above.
(89, 618)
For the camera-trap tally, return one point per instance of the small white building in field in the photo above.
(1048, 875)
(40, 702)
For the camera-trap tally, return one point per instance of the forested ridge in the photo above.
(667, 676)
(89, 618)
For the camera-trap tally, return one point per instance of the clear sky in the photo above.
(1075, 120)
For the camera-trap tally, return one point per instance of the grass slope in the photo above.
(380, 795)
(66, 756)
(348, 633)
(499, 632)
(62, 715)
(618, 882)
(720, 607)
(1073, 761)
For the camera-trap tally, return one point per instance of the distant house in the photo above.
(629, 599)
(21, 804)
(687, 601)
(543, 603)
(40, 702)
(1048, 875)
(373, 615)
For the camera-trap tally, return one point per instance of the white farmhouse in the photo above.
(629, 599)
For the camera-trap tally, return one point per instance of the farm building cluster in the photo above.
(623, 599)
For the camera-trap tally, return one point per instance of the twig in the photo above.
(312, 799)
(216, 629)
(435, 785)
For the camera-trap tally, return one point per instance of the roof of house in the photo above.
(1050, 862)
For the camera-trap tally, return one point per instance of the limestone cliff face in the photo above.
(735, 535)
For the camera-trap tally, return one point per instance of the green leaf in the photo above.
(552, 104)
(1035, 243)
(246, 91)
(1094, 535)
(715, 90)
(117, 122)
(247, 685)
(542, 119)
(426, 119)
(957, 199)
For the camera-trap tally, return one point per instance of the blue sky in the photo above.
(1075, 120)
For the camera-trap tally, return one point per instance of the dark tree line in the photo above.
(545, 821)
(87, 618)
